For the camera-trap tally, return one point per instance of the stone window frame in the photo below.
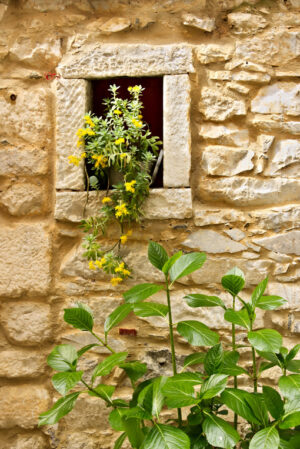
(73, 89)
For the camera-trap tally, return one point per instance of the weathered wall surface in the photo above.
(245, 208)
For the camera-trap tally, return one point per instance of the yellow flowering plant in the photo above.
(118, 142)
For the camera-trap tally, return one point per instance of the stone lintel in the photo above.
(110, 60)
(162, 204)
(177, 134)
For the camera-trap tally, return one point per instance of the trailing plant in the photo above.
(120, 142)
(208, 384)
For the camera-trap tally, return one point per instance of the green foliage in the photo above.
(209, 380)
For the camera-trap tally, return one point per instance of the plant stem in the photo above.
(103, 342)
(172, 344)
(234, 348)
(254, 362)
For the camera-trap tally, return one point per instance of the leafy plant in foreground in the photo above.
(208, 382)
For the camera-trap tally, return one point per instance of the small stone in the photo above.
(27, 323)
(280, 257)
(207, 53)
(27, 441)
(278, 218)
(226, 161)
(288, 243)
(280, 268)
(24, 199)
(281, 97)
(275, 123)
(35, 52)
(202, 23)
(235, 234)
(286, 152)
(209, 215)
(115, 25)
(21, 405)
(19, 363)
(251, 77)
(244, 23)
(249, 255)
(220, 75)
(264, 143)
(290, 292)
(14, 161)
(228, 134)
(254, 247)
(238, 88)
(86, 413)
(216, 106)
(212, 242)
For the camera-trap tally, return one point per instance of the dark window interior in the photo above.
(152, 99)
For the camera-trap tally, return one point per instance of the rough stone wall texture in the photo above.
(243, 208)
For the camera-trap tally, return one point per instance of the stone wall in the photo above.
(242, 207)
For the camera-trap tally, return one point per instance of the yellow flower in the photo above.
(126, 272)
(89, 132)
(136, 88)
(137, 123)
(129, 186)
(100, 263)
(129, 232)
(92, 265)
(130, 88)
(80, 132)
(117, 111)
(119, 141)
(100, 160)
(121, 210)
(83, 155)
(123, 239)
(89, 121)
(74, 160)
(140, 117)
(79, 143)
(120, 268)
(115, 281)
(123, 155)
(106, 199)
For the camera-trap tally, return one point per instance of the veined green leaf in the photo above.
(219, 433)
(194, 359)
(170, 262)
(293, 352)
(270, 302)
(293, 366)
(85, 349)
(197, 334)
(115, 419)
(267, 340)
(117, 316)
(103, 391)
(134, 369)
(61, 408)
(119, 442)
(79, 318)
(258, 292)
(213, 359)
(199, 300)
(140, 292)
(63, 382)
(158, 395)
(257, 403)
(162, 436)
(265, 439)
(233, 281)
(290, 386)
(239, 317)
(144, 309)
(105, 367)
(229, 364)
(157, 255)
(63, 358)
(235, 399)
(179, 393)
(273, 402)
(213, 386)
(186, 264)
(134, 432)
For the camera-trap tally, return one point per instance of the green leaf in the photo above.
(284, 444)
(162, 436)
(219, 433)
(119, 442)
(85, 349)
(157, 395)
(170, 262)
(198, 300)
(134, 432)
(257, 403)
(267, 340)
(115, 419)
(239, 317)
(197, 334)
(290, 386)
(213, 386)
(134, 369)
(291, 420)
(273, 402)
(265, 439)
(235, 399)
(295, 441)
(140, 292)
(63, 382)
(186, 264)
(157, 255)
(293, 366)
(194, 359)
(105, 367)
(61, 408)
(213, 359)
(117, 316)
(103, 391)
(233, 281)
(270, 302)
(79, 318)
(63, 358)
(150, 309)
(293, 352)
(258, 292)
(179, 393)
(229, 364)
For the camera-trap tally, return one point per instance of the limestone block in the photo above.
(251, 77)
(216, 106)
(74, 264)
(27, 118)
(177, 133)
(27, 323)
(209, 215)
(219, 75)
(295, 3)
(36, 52)
(71, 105)
(279, 98)
(235, 234)
(207, 53)
(263, 145)
(3, 9)
(24, 199)
(273, 123)
(249, 191)
(162, 204)
(4, 45)
(292, 277)
(87, 414)
(16, 363)
(238, 88)
(202, 23)
(212, 242)
(24, 260)
(27, 441)
(21, 405)
(278, 218)
(286, 152)
(281, 258)
(115, 25)
(23, 162)
(288, 291)
(249, 255)
(218, 160)
(53, 5)
(245, 23)
(109, 60)
(78, 340)
(288, 243)
(228, 134)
